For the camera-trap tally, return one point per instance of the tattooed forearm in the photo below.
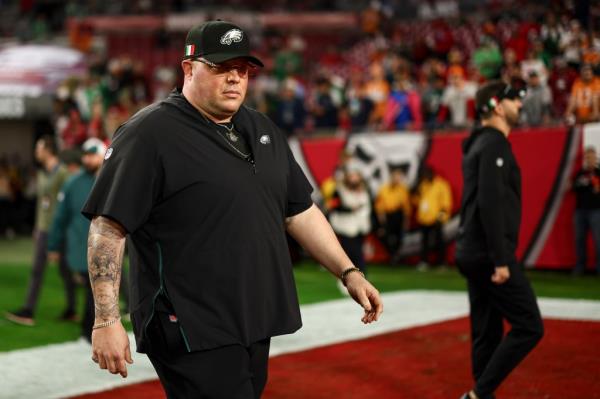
(106, 244)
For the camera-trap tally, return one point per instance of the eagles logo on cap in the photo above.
(218, 42)
(233, 35)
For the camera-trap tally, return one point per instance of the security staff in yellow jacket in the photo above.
(393, 207)
(434, 205)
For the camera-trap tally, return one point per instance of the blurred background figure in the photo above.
(584, 103)
(537, 103)
(290, 113)
(69, 227)
(7, 226)
(324, 110)
(433, 199)
(458, 100)
(329, 184)
(49, 181)
(392, 206)
(350, 215)
(358, 104)
(587, 209)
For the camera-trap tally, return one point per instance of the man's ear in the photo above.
(499, 109)
(187, 68)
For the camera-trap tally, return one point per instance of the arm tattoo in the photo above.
(106, 245)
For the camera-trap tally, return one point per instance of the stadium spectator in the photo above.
(96, 124)
(75, 131)
(488, 58)
(329, 184)
(570, 44)
(537, 103)
(69, 228)
(403, 108)
(457, 99)
(49, 180)
(358, 104)
(587, 209)
(551, 33)
(534, 63)
(86, 94)
(324, 110)
(290, 113)
(456, 61)
(288, 61)
(431, 101)
(392, 206)
(350, 215)
(560, 82)
(377, 89)
(540, 52)
(584, 102)
(433, 199)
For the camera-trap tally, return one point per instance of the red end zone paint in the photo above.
(426, 362)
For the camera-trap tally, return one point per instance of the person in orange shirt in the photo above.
(585, 98)
(392, 206)
(377, 89)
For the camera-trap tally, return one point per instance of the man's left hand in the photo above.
(366, 296)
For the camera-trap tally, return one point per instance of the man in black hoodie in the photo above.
(487, 242)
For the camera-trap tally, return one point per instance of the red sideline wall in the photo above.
(543, 155)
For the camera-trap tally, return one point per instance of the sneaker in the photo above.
(23, 317)
(68, 315)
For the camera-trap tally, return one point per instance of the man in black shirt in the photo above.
(487, 241)
(587, 209)
(206, 189)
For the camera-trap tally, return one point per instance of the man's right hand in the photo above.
(501, 275)
(110, 349)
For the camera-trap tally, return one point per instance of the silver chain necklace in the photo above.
(231, 135)
(244, 155)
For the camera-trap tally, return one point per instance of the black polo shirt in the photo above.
(206, 227)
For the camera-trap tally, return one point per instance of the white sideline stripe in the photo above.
(63, 370)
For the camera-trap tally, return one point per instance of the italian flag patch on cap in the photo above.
(189, 49)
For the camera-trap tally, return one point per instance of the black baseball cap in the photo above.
(217, 42)
(491, 93)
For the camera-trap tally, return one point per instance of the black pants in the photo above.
(40, 258)
(229, 372)
(494, 356)
(433, 233)
(353, 246)
(394, 232)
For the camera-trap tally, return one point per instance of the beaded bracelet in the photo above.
(106, 323)
(349, 270)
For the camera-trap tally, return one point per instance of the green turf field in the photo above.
(314, 285)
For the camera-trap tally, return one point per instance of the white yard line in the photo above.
(62, 370)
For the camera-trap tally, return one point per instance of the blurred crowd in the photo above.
(423, 76)
(419, 76)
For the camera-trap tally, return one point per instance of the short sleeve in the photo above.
(299, 188)
(129, 181)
